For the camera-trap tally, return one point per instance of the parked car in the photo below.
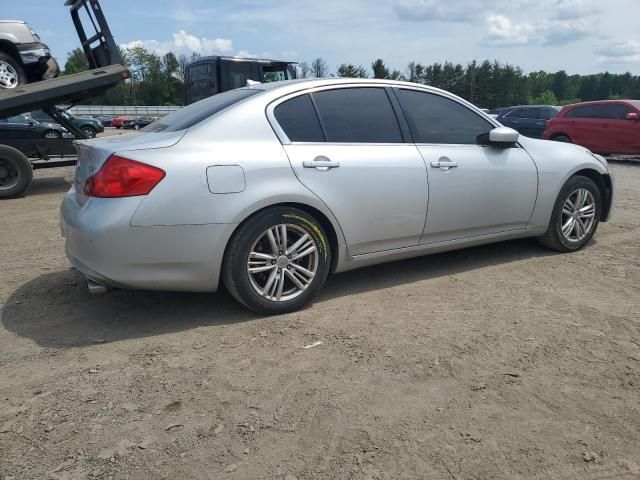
(138, 122)
(607, 126)
(105, 120)
(89, 126)
(23, 127)
(529, 120)
(23, 58)
(271, 187)
(118, 121)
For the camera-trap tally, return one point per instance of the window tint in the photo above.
(196, 112)
(548, 113)
(359, 115)
(436, 119)
(614, 111)
(517, 113)
(298, 119)
(531, 113)
(603, 110)
(586, 111)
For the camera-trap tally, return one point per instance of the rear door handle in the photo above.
(321, 163)
(444, 163)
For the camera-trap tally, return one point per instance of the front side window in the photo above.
(517, 113)
(358, 115)
(436, 119)
(298, 120)
(614, 111)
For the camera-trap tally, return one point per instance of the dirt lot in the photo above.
(505, 361)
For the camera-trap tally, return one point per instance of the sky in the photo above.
(579, 36)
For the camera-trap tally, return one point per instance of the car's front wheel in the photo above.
(12, 74)
(575, 216)
(89, 132)
(561, 138)
(277, 261)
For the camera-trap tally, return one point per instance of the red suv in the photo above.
(608, 126)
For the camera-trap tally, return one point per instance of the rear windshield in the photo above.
(196, 112)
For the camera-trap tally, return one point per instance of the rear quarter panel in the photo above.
(238, 136)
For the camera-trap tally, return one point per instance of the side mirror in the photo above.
(632, 116)
(499, 137)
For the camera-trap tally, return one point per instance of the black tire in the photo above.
(562, 138)
(89, 132)
(119, 127)
(12, 79)
(236, 277)
(16, 173)
(554, 238)
(51, 134)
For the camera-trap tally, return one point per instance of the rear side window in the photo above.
(196, 112)
(358, 115)
(436, 119)
(548, 113)
(297, 117)
(585, 111)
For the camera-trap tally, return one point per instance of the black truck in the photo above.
(210, 75)
(19, 157)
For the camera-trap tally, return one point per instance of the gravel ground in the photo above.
(503, 361)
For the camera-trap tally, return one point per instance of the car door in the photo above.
(528, 122)
(621, 134)
(473, 189)
(584, 126)
(346, 146)
(21, 127)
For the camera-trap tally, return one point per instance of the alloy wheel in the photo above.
(8, 75)
(578, 215)
(282, 262)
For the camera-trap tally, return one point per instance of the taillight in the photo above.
(121, 177)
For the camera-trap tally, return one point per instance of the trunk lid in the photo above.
(93, 153)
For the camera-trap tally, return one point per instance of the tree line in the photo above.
(160, 80)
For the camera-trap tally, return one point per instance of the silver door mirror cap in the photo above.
(503, 136)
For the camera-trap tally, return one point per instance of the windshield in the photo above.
(196, 112)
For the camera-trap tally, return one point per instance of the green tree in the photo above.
(380, 70)
(352, 71)
(76, 62)
(545, 98)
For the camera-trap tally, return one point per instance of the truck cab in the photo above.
(211, 75)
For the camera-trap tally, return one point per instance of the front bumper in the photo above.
(37, 59)
(102, 245)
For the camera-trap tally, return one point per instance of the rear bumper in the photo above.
(102, 245)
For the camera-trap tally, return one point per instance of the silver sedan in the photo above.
(272, 187)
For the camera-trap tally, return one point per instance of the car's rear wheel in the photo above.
(277, 261)
(16, 173)
(89, 132)
(562, 138)
(12, 74)
(51, 135)
(575, 216)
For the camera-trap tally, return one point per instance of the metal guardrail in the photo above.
(113, 110)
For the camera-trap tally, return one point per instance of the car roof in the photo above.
(597, 102)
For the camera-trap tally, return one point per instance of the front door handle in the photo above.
(444, 163)
(321, 163)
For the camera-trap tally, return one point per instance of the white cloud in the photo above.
(570, 9)
(619, 52)
(184, 42)
(503, 32)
